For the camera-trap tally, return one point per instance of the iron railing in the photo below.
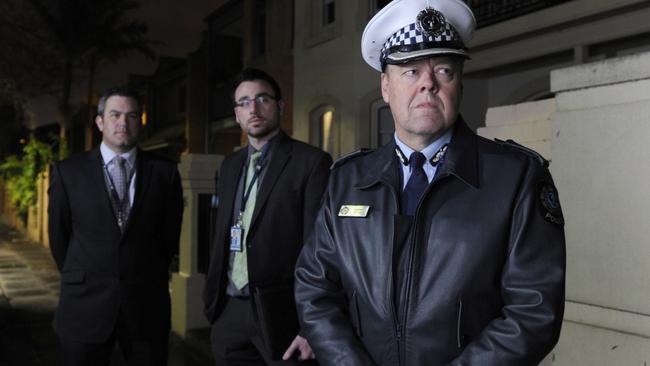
(489, 12)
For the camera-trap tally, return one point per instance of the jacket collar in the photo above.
(280, 154)
(96, 171)
(460, 161)
(382, 166)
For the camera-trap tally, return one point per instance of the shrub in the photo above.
(21, 174)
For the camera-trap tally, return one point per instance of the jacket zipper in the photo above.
(459, 337)
(399, 329)
(401, 338)
(396, 320)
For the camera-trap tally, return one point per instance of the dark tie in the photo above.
(416, 185)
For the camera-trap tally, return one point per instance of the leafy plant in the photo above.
(21, 174)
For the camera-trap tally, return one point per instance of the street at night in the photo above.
(331, 182)
(29, 285)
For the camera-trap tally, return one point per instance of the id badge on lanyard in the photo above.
(237, 230)
(236, 235)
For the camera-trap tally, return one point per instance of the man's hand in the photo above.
(302, 346)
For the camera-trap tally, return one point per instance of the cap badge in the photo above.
(430, 22)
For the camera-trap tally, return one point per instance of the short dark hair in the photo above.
(120, 91)
(252, 74)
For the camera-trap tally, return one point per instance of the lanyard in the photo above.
(247, 190)
(111, 185)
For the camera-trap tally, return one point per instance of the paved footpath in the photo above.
(29, 289)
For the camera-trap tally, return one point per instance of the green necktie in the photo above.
(240, 265)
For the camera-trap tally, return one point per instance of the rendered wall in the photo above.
(596, 132)
(601, 165)
(329, 70)
(528, 124)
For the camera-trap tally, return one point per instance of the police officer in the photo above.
(440, 248)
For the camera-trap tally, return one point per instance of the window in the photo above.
(324, 130)
(329, 12)
(323, 24)
(382, 125)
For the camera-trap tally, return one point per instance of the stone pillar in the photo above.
(601, 165)
(197, 174)
(45, 201)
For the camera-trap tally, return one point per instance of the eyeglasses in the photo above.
(263, 99)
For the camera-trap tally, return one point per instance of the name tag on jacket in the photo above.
(354, 211)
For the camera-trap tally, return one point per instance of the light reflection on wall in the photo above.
(143, 118)
(326, 123)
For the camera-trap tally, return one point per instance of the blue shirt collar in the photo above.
(428, 151)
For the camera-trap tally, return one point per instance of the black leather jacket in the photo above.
(484, 269)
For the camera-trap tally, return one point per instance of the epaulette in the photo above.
(347, 157)
(530, 152)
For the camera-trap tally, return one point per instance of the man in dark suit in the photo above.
(269, 193)
(114, 222)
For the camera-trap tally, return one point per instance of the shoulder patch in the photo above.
(347, 157)
(550, 203)
(510, 144)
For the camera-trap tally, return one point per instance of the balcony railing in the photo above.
(488, 12)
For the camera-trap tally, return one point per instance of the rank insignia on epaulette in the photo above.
(550, 203)
(523, 149)
(343, 159)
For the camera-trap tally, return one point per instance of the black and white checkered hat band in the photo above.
(410, 35)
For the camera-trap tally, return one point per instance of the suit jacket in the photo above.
(104, 272)
(285, 209)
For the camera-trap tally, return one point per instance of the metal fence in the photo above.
(488, 12)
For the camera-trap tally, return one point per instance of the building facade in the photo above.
(246, 33)
(338, 105)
